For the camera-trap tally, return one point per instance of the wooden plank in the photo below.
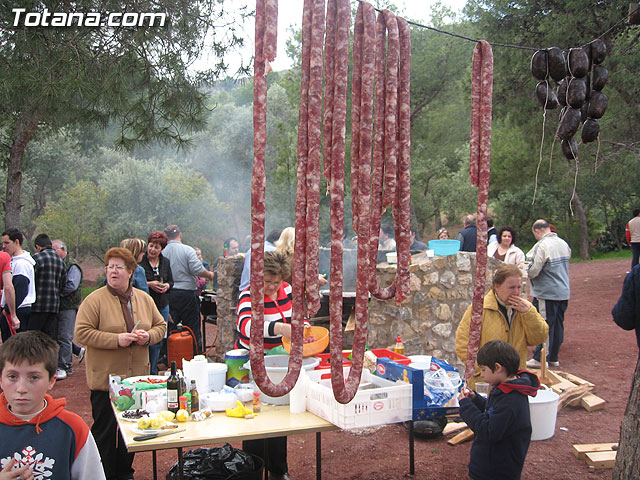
(571, 393)
(574, 378)
(592, 402)
(463, 436)
(454, 427)
(600, 460)
(580, 449)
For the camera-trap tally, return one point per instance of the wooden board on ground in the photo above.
(454, 427)
(463, 436)
(572, 393)
(574, 378)
(592, 402)
(580, 449)
(599, 460)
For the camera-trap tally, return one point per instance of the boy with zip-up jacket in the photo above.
(501, 423)
(39, 437)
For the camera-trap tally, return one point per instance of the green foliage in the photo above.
(131, 199)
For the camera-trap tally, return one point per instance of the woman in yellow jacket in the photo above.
(506, 316)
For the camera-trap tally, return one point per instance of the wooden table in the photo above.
(272, 421)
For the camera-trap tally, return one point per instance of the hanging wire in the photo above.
(505, 45)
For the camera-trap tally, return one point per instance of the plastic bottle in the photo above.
(256, 401)
(399, 348)
(195, 402)
(183, 402)
(173, 390)
(298, 395)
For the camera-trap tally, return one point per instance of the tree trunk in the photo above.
(628, 456)
(584, 231)
(23, 129)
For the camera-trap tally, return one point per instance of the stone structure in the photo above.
(229, 272)
(441, 291)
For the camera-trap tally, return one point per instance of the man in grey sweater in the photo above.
(549, 276)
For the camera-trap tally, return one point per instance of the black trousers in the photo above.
(46, 322)
(276, 460)
(184, 307)
(117, 462)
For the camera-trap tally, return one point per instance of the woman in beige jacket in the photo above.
(116, 323)
(505, 316)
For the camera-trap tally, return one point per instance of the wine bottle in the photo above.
(173, 390)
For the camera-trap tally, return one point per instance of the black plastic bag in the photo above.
(218, 463)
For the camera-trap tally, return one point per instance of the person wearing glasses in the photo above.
(116, 323)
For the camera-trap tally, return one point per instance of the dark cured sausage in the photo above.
(391, 109)
(385, 135)
(403, 192)
(362, 104)
(479, 168)
(315, 155)
(265, 41)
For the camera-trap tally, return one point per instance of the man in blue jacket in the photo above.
(626, 312)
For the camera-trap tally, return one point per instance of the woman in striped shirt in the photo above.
(277, 304)
(277, 323)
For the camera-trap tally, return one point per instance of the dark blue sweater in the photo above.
(626, 312)
(502, 428)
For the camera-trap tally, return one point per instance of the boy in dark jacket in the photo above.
(501, 423)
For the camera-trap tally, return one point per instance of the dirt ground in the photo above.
(594, 349)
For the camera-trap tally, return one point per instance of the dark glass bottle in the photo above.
(195, 403)
(173, 390)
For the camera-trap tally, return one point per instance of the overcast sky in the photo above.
(290, 14)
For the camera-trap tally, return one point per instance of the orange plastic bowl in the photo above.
(321, 335)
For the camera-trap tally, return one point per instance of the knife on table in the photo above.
(149, 436)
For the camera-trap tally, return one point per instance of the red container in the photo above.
(325, 358)
(396, 357)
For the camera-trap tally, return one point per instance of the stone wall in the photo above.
(441, 291)
(229, 271)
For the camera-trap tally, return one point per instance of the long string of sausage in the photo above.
(479, 171)
(266, 42)
(385, 150)
(362, 106)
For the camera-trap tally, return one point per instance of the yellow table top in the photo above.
(272, 421)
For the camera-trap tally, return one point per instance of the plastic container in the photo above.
(325, 360)
(377, 402)
(217, 373)
(444, 247)
(276, 367)
(298, 395)
(392, 257)
(218, 401)
(311, 349)
(197, 369)
(544, 410)
(235, 361)
(386, 353)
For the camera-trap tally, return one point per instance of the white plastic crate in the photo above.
(378, 401)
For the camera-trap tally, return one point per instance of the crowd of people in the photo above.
(152, 285)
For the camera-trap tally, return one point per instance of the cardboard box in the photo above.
(421, 410)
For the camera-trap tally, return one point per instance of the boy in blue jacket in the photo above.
(501, 423)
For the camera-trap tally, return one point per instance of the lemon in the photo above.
(158, 422)
(182, 415)
(144, 423)
(167, 415)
